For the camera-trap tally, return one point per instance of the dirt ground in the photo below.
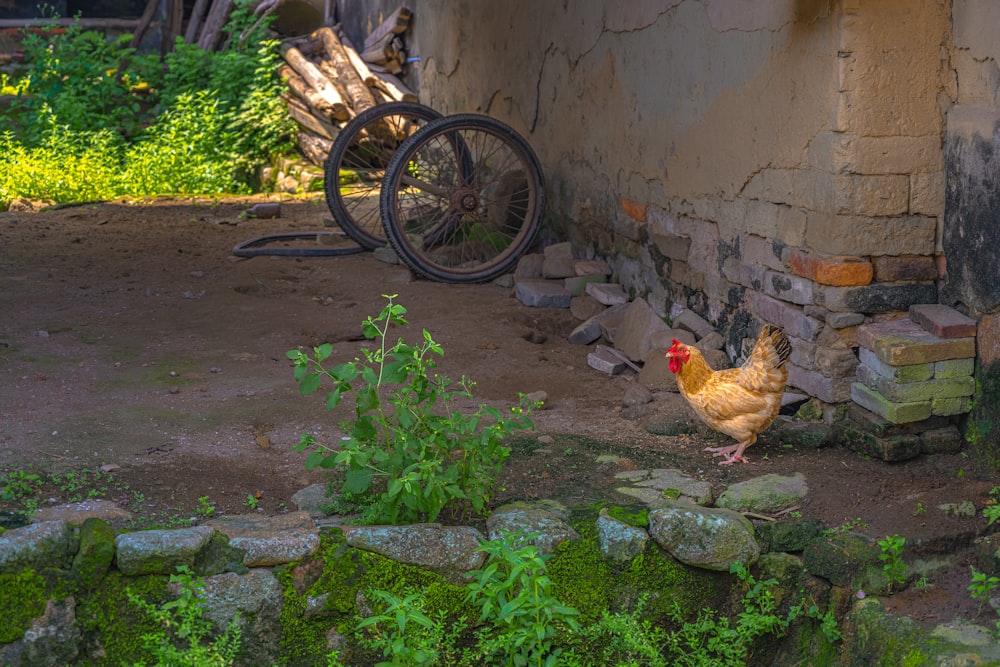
(131, 338)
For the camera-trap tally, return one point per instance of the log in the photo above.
(359, 65)
(194, 23)
(312, 99)
(388, 53)
(358, 93)
(316, 149)
(302, 114)
(396, 24)
(217, 17)
(394, 88)
(315, 78)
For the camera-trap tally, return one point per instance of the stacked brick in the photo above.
(915, 373)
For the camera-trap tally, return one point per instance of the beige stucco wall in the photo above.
(777, 160)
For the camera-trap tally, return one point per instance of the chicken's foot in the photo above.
(733, 452)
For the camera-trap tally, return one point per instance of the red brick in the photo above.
(839, 271)
(942, 321)
(989, 339)
(907, 267)
(633, 209)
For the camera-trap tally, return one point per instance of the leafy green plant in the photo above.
(405, 635)
(622, 638)
(18, 485)
(205, 508)
(982, 587)
(408, 449)
(513, 593)
(991, 511)
(715, 640)
(847, 527)
(182, 638)
(252, 501)
(891, 555)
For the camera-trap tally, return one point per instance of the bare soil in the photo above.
(132, 339)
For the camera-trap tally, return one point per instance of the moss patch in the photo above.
(23, 600)
(111, 624)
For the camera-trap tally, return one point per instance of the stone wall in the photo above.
(756, 160)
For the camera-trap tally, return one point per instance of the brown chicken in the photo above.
(740, 402)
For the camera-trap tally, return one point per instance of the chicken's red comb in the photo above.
(676, 342)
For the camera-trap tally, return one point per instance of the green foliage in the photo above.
(95, 120)
(406, 635)
(205, 508)
(991, 510)
(625, 639)
(982, 588)
(408, 450)
(891, 556)
(712, 640)
(513, 593)
(180, 640)
(22, 601)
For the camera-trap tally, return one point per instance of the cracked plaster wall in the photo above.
(732, 155)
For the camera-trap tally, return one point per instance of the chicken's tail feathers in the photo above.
(777, 339)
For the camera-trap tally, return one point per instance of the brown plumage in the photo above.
(740, 402)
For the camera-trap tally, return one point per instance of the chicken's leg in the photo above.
(733, 452)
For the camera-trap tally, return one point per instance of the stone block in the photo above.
(788, 287)
(542, 294)
(902, 342)
(610, 294)
(836, 362)
(892, 448)
(873, 195)
(529, 266)
(586, 332)
(927, 191)
(611, 319)
(787, 316)
(670, 246)
(634, 335)
(559, 251)
(916, 391)
(954, 368)
(826, 389)
(947, 440)
(895, 154)
(577, 285)
(712, 341)
(876, 425)
(693, 322)
(655, 374)
(942, 321)
(897, 374)
(584, 307)
(947, 407)
(894, 412)
(761, 251)
(875, 298)
(890, 269)
(604, 359)
(844, 320)
(837, 271)
(989, 339)
(833, 234)
(589, 267)
(633, 209)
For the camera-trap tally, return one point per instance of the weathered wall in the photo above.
(777, 160)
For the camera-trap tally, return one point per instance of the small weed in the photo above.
(923, 583)
(920, 509)
(892, 558)
(847, 527)
(205, 509)
(982, 587)
(991, 509)
(252, 501)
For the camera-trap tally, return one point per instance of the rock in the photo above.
(38, 546)
(717, 359)
(53, 640)
(713, 341)
(451, 551)
(636, 394)
(529, 267)
(788, 535)
(605, 360)
(803, 434)
(610, 320)
(96, 552)
(590, 267)
(160, 551)
(667, 484)
(693, 322)
(558, 261)
(655, 374)
(610, 294)
(634, 334)
(542, 294)
(539, 396)
(664, 338)
(545, 517)
(265, 210)
(708, 538)
(77, 513)
(764, 495)
(577, 285)
(257, 597)
(270, 540)
(312, 500)
(839, 558)
(385, 254)
(618, 540)
(584, 307)
(586, 332)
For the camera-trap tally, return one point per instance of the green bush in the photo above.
(94, 120)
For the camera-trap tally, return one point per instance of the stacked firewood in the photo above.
(330, 82)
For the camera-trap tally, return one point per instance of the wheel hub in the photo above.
(465, 200)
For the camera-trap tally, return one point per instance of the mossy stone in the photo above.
(96, 553)
(23, 600)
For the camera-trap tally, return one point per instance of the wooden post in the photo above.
(217, 17)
